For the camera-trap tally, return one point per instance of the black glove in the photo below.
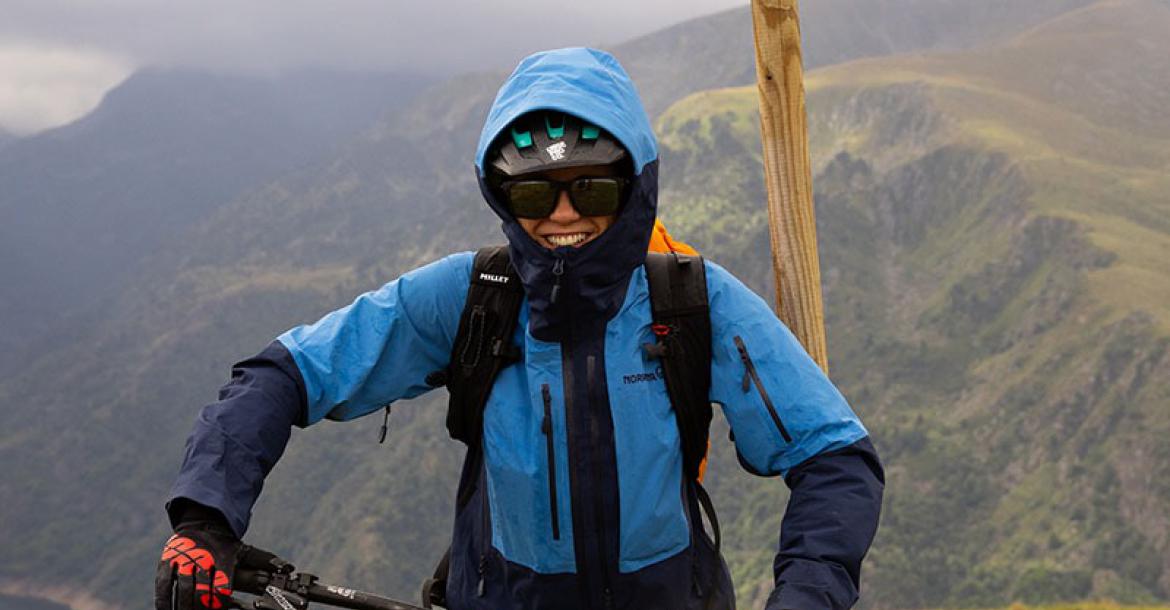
(198, 564)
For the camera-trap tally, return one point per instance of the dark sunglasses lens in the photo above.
(532, 198)
(596, 196)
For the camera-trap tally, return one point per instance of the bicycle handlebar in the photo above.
(278, 591)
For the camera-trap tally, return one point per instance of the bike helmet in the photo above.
(548, 139)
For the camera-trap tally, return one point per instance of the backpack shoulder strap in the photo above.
(682, 326)
(483, 343)
(483, 346)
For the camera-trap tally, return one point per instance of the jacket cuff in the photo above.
(799, 597)
(802, 584)
(185, 512)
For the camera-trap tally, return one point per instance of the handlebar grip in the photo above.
(344, 597)
(250, 581)
(298, 590)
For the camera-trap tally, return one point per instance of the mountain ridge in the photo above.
(835, 31)
(954, 266)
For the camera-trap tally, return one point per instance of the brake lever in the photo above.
(272, 599)
(279, 599)
(279, 591)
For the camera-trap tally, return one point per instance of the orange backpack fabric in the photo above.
(661, 241)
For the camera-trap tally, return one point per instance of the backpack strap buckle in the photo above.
(506, 351)
(655, 351)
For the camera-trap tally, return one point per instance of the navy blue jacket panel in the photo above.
(832, 516)
(239, 438)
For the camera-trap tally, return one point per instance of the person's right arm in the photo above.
(353, 361)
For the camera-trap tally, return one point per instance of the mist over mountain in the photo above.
(992, 220)
(87, 202)
(84, 203)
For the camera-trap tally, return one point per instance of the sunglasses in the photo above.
(537, 199)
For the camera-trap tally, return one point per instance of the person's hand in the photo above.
(197, 568)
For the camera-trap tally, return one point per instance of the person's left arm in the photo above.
(351, 362)
(789, 420)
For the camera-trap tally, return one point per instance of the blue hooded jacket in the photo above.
(579, 500)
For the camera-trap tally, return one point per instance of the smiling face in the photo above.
(566, 226)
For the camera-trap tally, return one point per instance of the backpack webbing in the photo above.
(682, 325)
(483, 343)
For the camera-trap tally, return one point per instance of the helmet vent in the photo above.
(545, 140)
(557, 132)
(523, 139)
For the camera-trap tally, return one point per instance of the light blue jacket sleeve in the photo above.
(381, 347)
(782, 408)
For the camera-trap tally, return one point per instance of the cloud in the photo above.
(357, 34)
(269, 36)
(43, 86)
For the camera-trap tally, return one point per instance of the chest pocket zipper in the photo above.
(547, 428)
(751, 376)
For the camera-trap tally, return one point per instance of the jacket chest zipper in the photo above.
(751, 375)
(594, 433)
(599, 504)
(547, 428)
(485, 524)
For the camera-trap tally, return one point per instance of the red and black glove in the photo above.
(198, 565)
(196, 569)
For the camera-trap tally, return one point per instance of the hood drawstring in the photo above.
(558, 270)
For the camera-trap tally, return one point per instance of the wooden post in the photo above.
(788, 173)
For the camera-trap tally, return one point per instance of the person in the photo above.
(580, 499)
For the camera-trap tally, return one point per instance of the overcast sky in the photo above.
(57, 57)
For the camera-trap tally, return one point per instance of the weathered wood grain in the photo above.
(788, 174)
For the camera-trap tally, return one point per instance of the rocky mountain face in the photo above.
(1005, 340)
(993, 237)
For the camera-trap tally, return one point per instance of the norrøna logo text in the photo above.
(499, 279)
(643, 377)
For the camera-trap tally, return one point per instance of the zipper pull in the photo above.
(479, 588)
(747, 363)
(385, 426)
(558, 270)
(546, 423)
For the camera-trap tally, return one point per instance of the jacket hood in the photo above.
(590, 281)
(586, 83)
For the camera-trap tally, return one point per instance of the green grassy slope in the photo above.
(994, 262)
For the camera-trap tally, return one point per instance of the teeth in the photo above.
(566, 240)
